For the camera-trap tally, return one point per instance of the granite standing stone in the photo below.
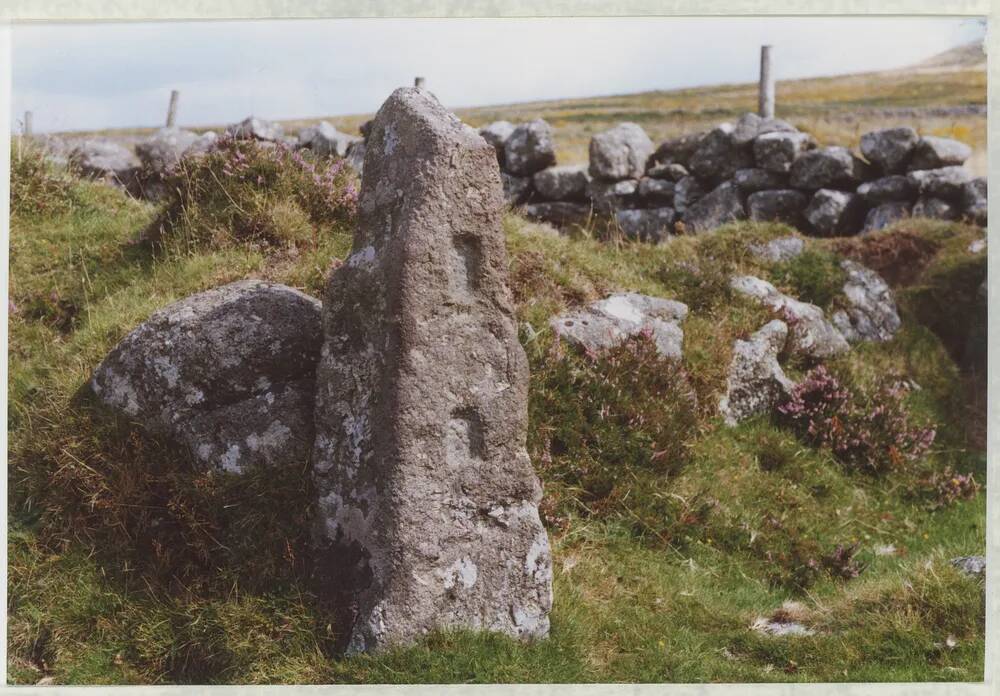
(428, 505)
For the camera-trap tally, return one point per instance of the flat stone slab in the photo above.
(608, 322)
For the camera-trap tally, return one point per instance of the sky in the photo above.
(80, 76)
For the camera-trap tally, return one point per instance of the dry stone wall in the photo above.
(759, 169)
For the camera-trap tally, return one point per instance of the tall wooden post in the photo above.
(29, 126)
(172, 109)
(765, 95)
(419, 82)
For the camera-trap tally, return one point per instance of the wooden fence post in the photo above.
(28, 123)
(765, 94)
(172, 109)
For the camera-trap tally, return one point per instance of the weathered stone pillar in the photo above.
(427, 513)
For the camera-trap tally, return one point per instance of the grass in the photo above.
(671, 534)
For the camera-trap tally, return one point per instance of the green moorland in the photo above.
(671, 533)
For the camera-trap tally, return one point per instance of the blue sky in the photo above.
(104, 75)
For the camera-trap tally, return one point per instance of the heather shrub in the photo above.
(607, 431)
(871, 433)
(37, 186)
(943, 488)
(244, 192)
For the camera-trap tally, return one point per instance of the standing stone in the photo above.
(428, 505)
(529, 148)
(620, 153)
(889, 149)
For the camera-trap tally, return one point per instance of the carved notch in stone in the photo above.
(428, 507)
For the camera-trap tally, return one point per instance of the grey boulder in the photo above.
(932, 152)
(677, 150)
(778, 250)
(718, 157)
(934, 208)
(655, 192)
(973, 566)
(496, 134)
(756, 382)
(253, 128)
(889, 149)
(724, 204)
(832, 213)
(777, 151)
(516, 189)
(324, 139)
(355, 156)
(529, 148)
(687, 191)
(756, 179)
(671, 171)
(974, 201)
(101, 158)
(871, 309)
(828, 167)
(559, 213)
(609, 196)
(886, 189)
(620, 153)
(777, 206)
(227, 373)
(562, 183)
(751, 126)
(608, 322)
(810, 334)
(947, 182)
(165, 149)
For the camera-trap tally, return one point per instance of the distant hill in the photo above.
(970, 55)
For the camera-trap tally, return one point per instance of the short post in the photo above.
(419, 82)
(172, 109)
(28, 123)
(765, 95)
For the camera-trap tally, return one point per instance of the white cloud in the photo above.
(119, 74)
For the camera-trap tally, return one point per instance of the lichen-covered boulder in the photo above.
(165, 148)
(253, 128)
(755, 179)
(718, 157)
(227, 373)
(810, 334)
(324, 139)
(887, 189)
(562, 183)
(606, 323)
(832, 213)
(529, 148)
(871, 308)
(932, 152)
(782, 205)
(947, 183)
(883, 215)
(427, 505)
(828, 167)
(777, 151)
(973, 566)
(889, 149)
(647, 224)
(355, 156)
(620, 153)
(724, 204)
(756, 382)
